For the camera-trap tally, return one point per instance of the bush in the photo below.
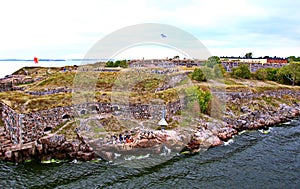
(272, 73)
(242, 71)
(219, 71)
(118, 63)
(199, 97)
(282, 76)
(208, 72)
(261, 74)
(198, 75)
(289, 74)
(212, 61)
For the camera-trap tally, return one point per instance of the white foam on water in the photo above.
(228, 142)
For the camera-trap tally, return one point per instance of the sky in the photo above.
(68, 29)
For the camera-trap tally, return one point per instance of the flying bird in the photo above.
(163, 35)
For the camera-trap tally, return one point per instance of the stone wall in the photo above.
(148, 111)
(6, 86)
(50, 91)
(24, 128)
(11, 122)
(33, 124)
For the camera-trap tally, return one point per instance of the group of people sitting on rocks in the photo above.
(122, 139)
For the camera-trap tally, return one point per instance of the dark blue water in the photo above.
(253, 160)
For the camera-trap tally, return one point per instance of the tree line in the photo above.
(118, 63)
(213, 69)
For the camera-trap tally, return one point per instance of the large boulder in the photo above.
(52, 141)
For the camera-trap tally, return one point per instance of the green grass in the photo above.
(69, 131)
(58, 127)
(229, 81)
(59, 79)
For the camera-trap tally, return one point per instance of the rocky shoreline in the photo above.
(245, 111)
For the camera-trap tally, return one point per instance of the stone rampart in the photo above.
(24, 128)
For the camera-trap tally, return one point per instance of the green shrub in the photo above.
(219, 71)
(208, 72)
(261, 74)
(212, 61)
(198, 75)
(242, 71)
(272, 73)
(197, 96)
(118, 63)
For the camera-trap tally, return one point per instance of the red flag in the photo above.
(36, 60)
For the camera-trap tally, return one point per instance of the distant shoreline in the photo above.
(14, 60)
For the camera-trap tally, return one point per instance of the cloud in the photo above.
(62, 28)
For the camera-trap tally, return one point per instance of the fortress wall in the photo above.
(12, 123)
(6, 87)
(146, 111)
(34, 124)
(23, 128)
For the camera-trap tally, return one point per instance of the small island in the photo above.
(113, 109)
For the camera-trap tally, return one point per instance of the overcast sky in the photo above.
(68, 29)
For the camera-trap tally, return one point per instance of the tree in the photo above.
(118, 63)
(198, 75)
(248, 55)
(261, 74)
(293, 58)
(219, 71)
(109, 64)
(289, 74)
(212, 61)
(272, 74)
(200, 98)
(242, 71)
(208, 72)
(176, 57)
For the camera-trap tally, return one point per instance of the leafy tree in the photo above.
(242, 71)
(248, 55)
(124, 64)
(272, 73)
(176, 57)
(219, 71)
(118, 63)
(198, 75)
(261, 74)
(208, 72)
(289, 74)
(197, 96)
(109, 64)
(293, 58)
(212, 61)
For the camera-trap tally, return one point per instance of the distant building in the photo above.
(255, 63)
